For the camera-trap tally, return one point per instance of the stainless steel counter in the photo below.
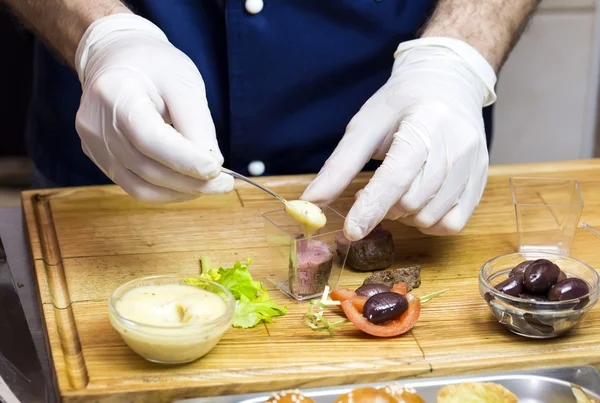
(13, 235)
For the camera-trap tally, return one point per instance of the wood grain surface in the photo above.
(87, 241)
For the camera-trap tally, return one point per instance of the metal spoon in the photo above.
(590, 228)
(247, 180)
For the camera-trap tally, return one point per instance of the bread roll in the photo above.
(366, 395)
(403, 394)
(289, 396)
(476, 392)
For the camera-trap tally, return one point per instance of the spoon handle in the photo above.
(591, 229)
(247, 180)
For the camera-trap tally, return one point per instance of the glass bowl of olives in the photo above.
(536, 294)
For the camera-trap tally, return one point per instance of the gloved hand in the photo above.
(135, 85)
(426, 125)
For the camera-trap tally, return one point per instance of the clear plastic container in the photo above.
(302, 267)
(547, 213)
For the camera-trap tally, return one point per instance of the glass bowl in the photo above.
(536, 319)
(170, 343)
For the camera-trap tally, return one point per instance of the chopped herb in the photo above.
(431, 296)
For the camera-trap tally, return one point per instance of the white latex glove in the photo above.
(426, 125)
(135, 85)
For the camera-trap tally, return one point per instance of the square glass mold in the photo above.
(302, 267)
(547, 212)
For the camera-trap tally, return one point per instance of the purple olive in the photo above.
(512, 286)
(570, 288)
(520, 268)
(384, 307)
(533, 298)
(562, 276)
(368, 290)
(540, 276)
(537, 324)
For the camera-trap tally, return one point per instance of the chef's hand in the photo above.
(135, 85)
(426, 125)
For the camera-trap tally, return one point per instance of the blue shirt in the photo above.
(281, 85)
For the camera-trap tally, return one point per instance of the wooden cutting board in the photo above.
(87, 241)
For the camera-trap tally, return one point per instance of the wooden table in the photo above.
(87, 241)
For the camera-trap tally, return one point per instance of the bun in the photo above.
(289, 396)
(475, 392)
(366, 395)
(403, 394)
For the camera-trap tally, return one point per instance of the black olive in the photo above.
(520, 268)
(538, 325)
(562, 276)
(384, 307)
(570, 288)
(512, 286)
(533, 298)
(368, 290)
(540, 276)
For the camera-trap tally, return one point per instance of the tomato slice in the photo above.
(342, 294)
(345, 294)
(359, 302)
(400, 288)
(394, 327)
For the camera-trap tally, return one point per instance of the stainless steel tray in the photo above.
(550, 385)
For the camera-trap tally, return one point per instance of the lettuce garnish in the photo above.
(253, 303)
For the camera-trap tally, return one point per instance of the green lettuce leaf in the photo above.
(253, 303)
(249, 313)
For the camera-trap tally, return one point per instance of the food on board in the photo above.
(411, 276)
(393, 327)
(168, 322)
(385, 306)
(170, 305)
(373, 252)
(253, 303)
(310, 217)
(382, 314)
(541, 281)
(368, 290)
(314, 264)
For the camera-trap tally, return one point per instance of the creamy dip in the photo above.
(169, 321)
(310, 217)
(170, 305)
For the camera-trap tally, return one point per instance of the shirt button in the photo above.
(256, 168)
(254, 6)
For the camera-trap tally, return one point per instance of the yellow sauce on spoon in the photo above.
(310, 217)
